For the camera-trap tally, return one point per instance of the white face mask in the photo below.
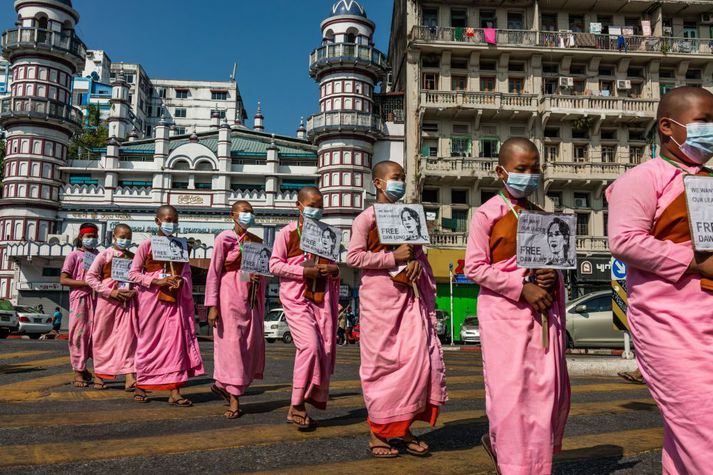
(698, 146)
(520, 185)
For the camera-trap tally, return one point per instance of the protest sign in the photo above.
(120, 269)
(88, 259)
(546, 240)
(169, 249)
(699, 200)
(255, 258)
(321, 239)
(401, 224)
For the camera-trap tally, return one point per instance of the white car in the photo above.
(31, 322)
(276, 326)
(469, 330)
(8, 318)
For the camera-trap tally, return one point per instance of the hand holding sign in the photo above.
(546, 241)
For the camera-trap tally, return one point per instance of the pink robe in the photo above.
(670, 316)
(114, 329)
(312, 325)
(239, 344)
(81, 312)
(402, 371)
(527, 392)
(167, 351)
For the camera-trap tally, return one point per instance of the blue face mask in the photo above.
(123, 244)
(90, 243)
(245, 220)
(520, 185)
(169, 228)
(395, 190)
(698, 146)
(313, 213)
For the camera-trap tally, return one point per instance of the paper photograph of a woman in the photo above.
(558, 236)
(411, 222)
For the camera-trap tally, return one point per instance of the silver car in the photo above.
(276, 327)
(8, 318)
(469, 330)
(590, 322)
(31, 322)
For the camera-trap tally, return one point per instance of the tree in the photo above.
(93, 135)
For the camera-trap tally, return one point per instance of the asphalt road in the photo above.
(48, 426)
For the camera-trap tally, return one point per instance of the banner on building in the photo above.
(321, 239)
(401, 224)
(699, 199)
(546, 240)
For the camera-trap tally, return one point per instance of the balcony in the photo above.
(13, 108)
(592, 244)
(30, 40)
(448, 240)
(495, 101)
(583, 173)
(347, 54)
(565, 41)
(560, 105)
(459, 168)
(337, 122)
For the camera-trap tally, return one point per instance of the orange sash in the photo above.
(673, 226)
(234, 265)
(503, 238)
(373, 244)
(314, 289)
(172, 268)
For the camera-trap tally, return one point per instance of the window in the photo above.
(576, 23)
(135, 183)
(180, 185)
(599, 304)
(608, 154)
(459, 83)
(219, 95)
(556, 198)
(459, 197)
(181, 93)
(515, 21)
(82, 179)
(488, 19)
(552, 132)
(429, 148)
(515, 85)
(581, 153)
(487, 84)
(204, 186)
(609, 134)
(581, 200)
(459, 18)
(460, 220)
(485, 195)
(550, 68)
(489, 148)
(429, 195)
(636, 155)
(606, 224)
(459, 63)
(430, 81)
(430, 16)
(460, 129)
(431, 61)
(180, 113)
(460, 146)
(582, 224)
(51, 271)
(130, 78)
(179, 131)
(552, 153)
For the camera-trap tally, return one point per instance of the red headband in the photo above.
(87, 229)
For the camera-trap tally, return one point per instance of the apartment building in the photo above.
(581, 79)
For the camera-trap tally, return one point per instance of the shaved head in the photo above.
(513, 147)
(677, 101)
(239, 205)
(680, 107)
(382, 169)
(121, 227)
(166, 210)
(308, 192)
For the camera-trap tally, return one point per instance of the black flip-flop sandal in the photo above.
(230, 414)
(416, 453)
(306, 422)
(99, 386)
(220, 393)
(183, 402)
(142, 398)
(390, 455)
(80, 384)
(630, 377)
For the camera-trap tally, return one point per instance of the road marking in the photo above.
(25, 365)
(22, 354)
(234, 437)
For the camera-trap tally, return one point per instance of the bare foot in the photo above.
(380, 448)
(129, 382)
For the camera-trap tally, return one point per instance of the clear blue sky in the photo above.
(181, 39)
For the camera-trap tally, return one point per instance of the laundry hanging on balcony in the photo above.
(470, 32)
(491, 35)
(459, 33)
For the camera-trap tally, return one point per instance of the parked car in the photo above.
(443, 326)
(590, 322)
(8, 318)
(276, 326)
(31, 322)
(469, 331)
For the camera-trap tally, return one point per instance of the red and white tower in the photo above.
(45, 53)
(347, 67)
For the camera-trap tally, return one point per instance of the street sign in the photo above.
(618, 270)
(620, 304)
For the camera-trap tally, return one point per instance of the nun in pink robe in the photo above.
(81, 311)
(312, 325)
(114, 329)
(527, 392)
(670, 315)
(239, 343)
(167, 351)
(402, 371)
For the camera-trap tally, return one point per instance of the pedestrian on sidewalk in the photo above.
(237, 307)
(57, 319)
(309, 292)
(670, 285)
(81, 302)
(402, 370)
(526, 386)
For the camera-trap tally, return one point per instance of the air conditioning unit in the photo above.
(623, 84)
(707, 18)
(566, 82)
(580, 203)
(57, 239)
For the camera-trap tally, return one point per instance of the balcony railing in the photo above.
(65, 41)
(339, 121)
(600, 104)
(458, 165)
(585, 170)
(591, 243)
(339, 53)
(489, 100)
(456, 240)
(38, 107)
(564, 40)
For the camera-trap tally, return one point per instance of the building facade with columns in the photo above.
(581, 79)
